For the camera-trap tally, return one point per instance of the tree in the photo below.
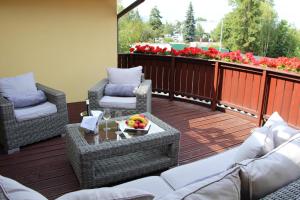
(178, 27)
(169, 28)
(241, 27)
(189, 25)
(132, 29)
(266, 34)
(285, 42)
(199, 29)
(155, 19)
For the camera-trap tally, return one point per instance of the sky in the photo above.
(212, 10)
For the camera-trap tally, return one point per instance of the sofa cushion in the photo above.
(153, 184)
(16, 191)
(256, 145)
(118, 102)
(107, 194)
(37, 111)
(131, 76)
(281, 132)
(119, 90)
(181, 176)
(225, 186)
(18, 85)
(21, 101)
(274, 119)
(272, 171)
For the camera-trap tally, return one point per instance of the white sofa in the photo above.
(249, 171)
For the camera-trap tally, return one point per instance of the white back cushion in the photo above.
(280, 130)
(108, 194)
(16, 191)
(18, 85)
(131, 76)
(279, 167)
(257, 144)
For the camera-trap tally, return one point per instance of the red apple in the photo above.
(142, 126)
(136, 126)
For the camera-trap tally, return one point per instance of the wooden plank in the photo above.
(209, 84)
(201, 82)
(234, 87)
(177, 79)
(215, 87)
(159, 74)
(248, 90)
(262, 98)
(228, 83)
(183, 77)
(255, 92)
(241, 88)
(271, 96)
(196, 80)
(286, 100)
(278, 95)
(190, 78)
(294, 109)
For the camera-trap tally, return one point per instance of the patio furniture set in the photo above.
(255, 169)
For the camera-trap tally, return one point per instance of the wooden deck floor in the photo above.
(44, 166)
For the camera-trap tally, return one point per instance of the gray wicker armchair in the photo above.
(143, 98)
(14, 134)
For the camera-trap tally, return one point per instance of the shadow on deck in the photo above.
(44, 167)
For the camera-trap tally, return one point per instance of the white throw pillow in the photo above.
(131, 76)
(274, 119)
(276, 169)
(19, 85)
(108, 194)
(281, 131)
(225, 186)
(256, 145)
(16, 191)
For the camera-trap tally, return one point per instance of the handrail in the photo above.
(256, 90)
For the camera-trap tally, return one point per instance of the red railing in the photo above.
(252, 89)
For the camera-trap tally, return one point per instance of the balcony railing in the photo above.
(255, 90)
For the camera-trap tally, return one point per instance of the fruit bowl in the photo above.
(138, 121)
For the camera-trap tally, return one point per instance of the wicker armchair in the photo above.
(143, 98)
(14, 134)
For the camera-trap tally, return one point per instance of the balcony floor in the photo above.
(44, 167)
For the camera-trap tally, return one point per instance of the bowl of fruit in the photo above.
(137, 122)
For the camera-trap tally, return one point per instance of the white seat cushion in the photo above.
(153, 184)
(37, 111)
(225, 186)
(118, 102)
(181, 176)
(16, 191)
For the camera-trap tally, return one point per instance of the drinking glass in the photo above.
(106, 116)
(118, 114)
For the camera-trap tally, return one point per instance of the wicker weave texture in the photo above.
(289, 192)
(113, 161)
(143, 98)
(14, 134)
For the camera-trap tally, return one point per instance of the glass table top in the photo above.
(114, 132)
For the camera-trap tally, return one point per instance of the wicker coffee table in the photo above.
(98, 162)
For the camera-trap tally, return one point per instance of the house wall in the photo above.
(66, 43)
